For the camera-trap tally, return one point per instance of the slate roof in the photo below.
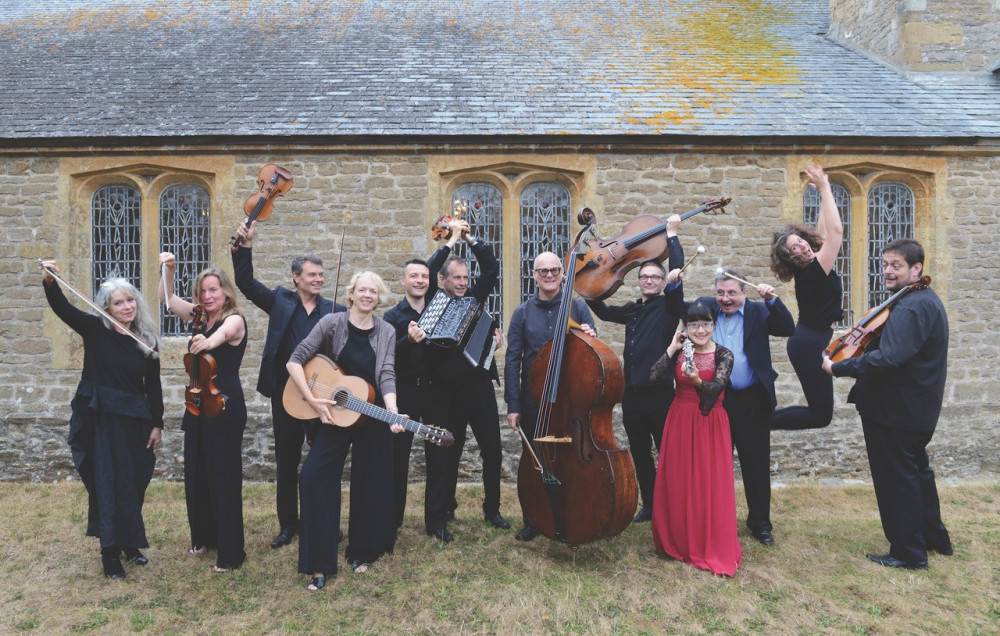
(349, 69)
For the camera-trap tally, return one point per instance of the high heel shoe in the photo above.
(112, 563)
(317, 583)
(132, 555)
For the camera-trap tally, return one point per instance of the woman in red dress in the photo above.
(694, 500)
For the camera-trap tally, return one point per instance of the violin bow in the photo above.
(340, 264)
(142, 343)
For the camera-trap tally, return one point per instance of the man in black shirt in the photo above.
(292, 315)
(899, 393)
(459, 395)
(649, 328)
(411, 378)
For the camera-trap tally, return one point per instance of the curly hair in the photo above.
(231, 305)
(783, 263)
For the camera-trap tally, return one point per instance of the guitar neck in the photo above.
(384, 415)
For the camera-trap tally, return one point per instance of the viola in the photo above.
(273, 181)
(575, 484)
(201, 396)
(644, 238)
(865, 334)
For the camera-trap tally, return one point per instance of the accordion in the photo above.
(461, 323)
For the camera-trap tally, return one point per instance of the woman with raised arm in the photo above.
(809, 257)
(213, 446)
(364, 346)
(694, 499)
(117, 415)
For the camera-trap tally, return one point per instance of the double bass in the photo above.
(574, 483)
(864, 335)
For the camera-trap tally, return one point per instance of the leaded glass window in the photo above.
(481, 205)
(810, 215)
(184, 231)
(116, 222)
(890, 216)
(545, 227)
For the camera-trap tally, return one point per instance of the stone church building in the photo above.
(130, 128)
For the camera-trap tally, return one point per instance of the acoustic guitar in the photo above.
(327, 381)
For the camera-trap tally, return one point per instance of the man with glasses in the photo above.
(649, 328)
(459, 395)
(743, 326)
(532, 325)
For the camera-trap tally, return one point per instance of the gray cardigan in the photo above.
(330, 335)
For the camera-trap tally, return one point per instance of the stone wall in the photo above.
(923, 35)
(383, 198)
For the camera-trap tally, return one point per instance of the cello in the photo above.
(865, 334)
(644, 238)
(574, 483)
(201, 396)
(272, 182)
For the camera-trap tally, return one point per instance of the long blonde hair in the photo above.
(231, 306)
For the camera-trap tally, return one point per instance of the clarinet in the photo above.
(688, 356)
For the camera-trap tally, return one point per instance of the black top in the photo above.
(300, 324)
(357, 358)
(117, 376)
(409, 355)
(649, 326)
(820, 296)
(901, 383)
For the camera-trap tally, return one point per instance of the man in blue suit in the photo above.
(744, 327)
(293, 313)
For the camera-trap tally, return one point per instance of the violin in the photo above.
(644, 238)
(575, 483)
(272, 182)
(865, 334)
(201, 396)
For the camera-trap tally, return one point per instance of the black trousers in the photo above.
(371, 530)
(805, 351)
(453, 407)
(749, 413)
(289, 433)
(905, 489)
(644, 411)
(410, 400)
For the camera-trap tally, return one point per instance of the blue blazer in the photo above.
(760, 321)
(279, 303)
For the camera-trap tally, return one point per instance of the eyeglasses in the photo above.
(548, 271)
(695, 326)
(650, 277)
(732, 293)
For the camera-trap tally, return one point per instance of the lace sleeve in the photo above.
(663, 369)
(710, 391)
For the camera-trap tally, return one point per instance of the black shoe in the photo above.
(284, 538)
(132, 555)
(112, 563)
(645, 514)
(527, 533)
(763, 536)
(442, 534)
(890, 561)
(318, 582)
(497, 521)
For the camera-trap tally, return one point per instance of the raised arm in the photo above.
(830, 227)
(165, 290)
(255, 291)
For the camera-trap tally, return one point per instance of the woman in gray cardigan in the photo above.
(362, 345)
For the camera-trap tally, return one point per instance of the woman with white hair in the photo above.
(117, 414)
(363, 345)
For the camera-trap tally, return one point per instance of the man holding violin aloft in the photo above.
(292, 315)
(899, 393)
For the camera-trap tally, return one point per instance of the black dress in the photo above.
(213, 463)
(117, 403)
(371, 528)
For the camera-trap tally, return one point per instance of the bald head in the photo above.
(548, 275)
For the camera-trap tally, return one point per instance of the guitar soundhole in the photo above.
(340, 396)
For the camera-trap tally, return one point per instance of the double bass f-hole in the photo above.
(273, 181)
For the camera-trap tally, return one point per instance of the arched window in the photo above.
(545, 227)
(116, 223)
(810, 216)
(481, 205)
(890, 216)
(184, 231)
